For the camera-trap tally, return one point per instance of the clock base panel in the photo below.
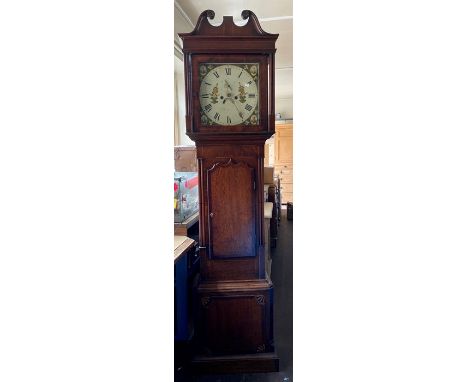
(235, 318)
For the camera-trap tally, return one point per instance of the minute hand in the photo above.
(240, 114)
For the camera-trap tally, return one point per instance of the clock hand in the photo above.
(227, 83)
(240, 114)
(228, 90)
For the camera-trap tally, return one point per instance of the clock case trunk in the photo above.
(234, 297)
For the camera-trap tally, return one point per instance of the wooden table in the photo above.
(181, 245)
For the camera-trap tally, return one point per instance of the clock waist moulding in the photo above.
(229, 92)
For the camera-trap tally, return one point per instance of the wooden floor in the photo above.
(282, 276)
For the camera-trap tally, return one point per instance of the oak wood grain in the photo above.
(235, 295)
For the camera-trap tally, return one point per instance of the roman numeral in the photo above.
(228, 71)
(228, 119)
(205, 95)
(251, 95)
(216, 116)
(208, 107)
(250, 82)
(240, 74)
(207, 83)
(216, 74)
(248, 107)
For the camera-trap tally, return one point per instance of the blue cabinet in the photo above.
(186, 269)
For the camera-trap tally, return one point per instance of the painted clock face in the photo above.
(229, 94)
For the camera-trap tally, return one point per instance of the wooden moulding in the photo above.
(250, 363)
(251, 29)
(235, 286)
(228, 37)
(220, 137)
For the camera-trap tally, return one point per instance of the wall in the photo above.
(284, 106)
(179, 125)
(181, 24)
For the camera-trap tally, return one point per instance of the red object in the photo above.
(176, 187)
(191, 183)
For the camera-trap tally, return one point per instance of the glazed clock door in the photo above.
(228, 94)
(231, 210)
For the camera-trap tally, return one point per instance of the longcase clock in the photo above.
(229, 76)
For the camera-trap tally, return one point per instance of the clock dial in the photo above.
(229, 94)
